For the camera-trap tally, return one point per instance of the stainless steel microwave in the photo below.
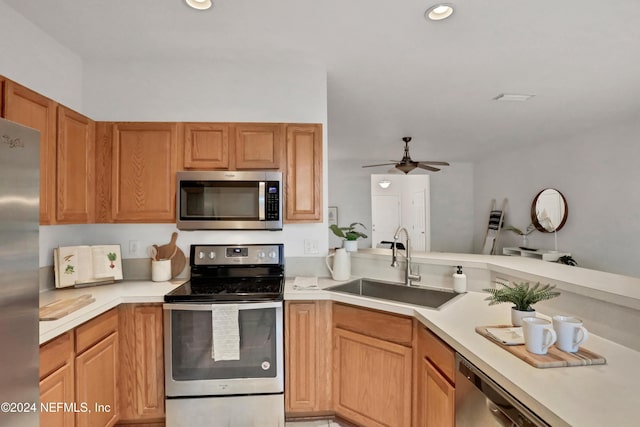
(229, 200)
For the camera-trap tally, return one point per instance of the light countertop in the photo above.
(106, 296)
(582, 396)
(575, 396)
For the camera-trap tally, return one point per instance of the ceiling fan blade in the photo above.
(427, 162)
(381, 164)
(429, 168)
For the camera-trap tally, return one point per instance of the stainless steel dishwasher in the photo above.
(480, 402)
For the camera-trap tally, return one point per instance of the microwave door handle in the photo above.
(261, 200)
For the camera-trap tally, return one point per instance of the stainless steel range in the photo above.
(224, 341)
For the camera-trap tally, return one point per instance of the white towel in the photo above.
(304, 282)
(226, 332)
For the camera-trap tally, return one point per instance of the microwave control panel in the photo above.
(272, 201)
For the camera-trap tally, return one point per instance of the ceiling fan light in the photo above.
(384, 183)
(199, 4)
(439, 12)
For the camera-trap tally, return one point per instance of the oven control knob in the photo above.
(265, 365)
(273, 254)
(200, 255)
(260, 254)
(212, 255)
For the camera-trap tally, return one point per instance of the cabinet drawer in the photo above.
(55, 353)
(441, 355)
(94, 330)
(385, 326)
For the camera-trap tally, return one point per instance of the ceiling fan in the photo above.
(406, 165)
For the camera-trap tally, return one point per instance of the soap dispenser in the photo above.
(459, 281)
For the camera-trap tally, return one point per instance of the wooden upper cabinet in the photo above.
(304, 173)
(206, 146)
(258, 145)
(24, 106)
(143, 172)
(75, 202)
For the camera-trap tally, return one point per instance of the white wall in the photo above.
(599, 176)
(34, 59)
(451, 202)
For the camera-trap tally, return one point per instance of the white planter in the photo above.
(517, 316)
(350, 245)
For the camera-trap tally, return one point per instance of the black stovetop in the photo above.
(247, 289)
(232, 273)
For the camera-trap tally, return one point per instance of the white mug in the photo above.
(570, 333)
(538, 335)
(160, 270)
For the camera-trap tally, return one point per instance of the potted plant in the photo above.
(522, 296)
(530, 229)
(349, 234)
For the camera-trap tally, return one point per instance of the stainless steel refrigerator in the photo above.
(19, 218)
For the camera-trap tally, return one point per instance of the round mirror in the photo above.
(549, 210)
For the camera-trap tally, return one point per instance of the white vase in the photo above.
(517, 316)
(350, 245)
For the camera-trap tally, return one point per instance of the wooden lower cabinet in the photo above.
(97, 373)
(435, 390)
(308, 358)
(141, 391)
(57, 382)
(438, 408)
(372, 380)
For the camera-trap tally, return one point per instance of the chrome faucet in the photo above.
(408, 275)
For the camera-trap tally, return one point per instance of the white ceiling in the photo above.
(390, 72)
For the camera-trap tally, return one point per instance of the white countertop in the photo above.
(576, 396)
(601, 395)
(107, 297)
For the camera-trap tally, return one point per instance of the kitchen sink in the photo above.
(426, 297)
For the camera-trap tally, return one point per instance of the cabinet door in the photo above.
(258, 145)
(372, 380)
(75, 201)
(438, 407)
(307, 358)
(141, 362)
(143, 181)
(31, 109)
(97, 384)
(55, 389)
(304, 173)
(206, 146)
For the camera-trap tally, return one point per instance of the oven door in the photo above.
(190, 369)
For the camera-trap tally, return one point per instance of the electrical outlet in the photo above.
(311, 246)
(134, 247)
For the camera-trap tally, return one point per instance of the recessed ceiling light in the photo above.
(439, 12)
(514, 97)
(199, 4)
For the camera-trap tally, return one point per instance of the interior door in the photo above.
(385, 217)
(418, 227)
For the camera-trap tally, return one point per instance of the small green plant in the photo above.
(521, 295)
(350, 232)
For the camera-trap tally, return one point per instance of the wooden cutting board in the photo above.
(555, 358)
(61, 307)
(178, 262)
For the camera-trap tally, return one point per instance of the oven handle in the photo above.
(208, 307)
